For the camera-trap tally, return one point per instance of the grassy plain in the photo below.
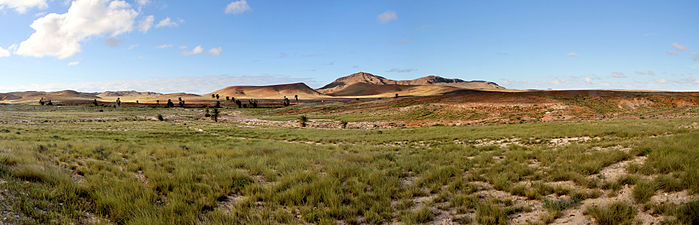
(61, 165)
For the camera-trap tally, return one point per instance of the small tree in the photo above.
(214, 114)
(160, 117)
(239, 103)
(344, 124)
(94, 102)
(182, 103)
(302, 120)
(49, 103)
(228, 98)
(218, 104)
(396, 95)
(118, 102)
(217, 96)
(157, 102)
(170, 104)
(206, 113)
(41, 101)
(297, 98)
(253, 103)
(286, 101)
(213, 96)
(233, 99)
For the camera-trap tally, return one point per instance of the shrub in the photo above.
(160, 117)
(643, 191)
(490, 214)
(612, 214)
(688, 213)
(302, 120)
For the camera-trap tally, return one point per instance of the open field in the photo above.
(76, 164)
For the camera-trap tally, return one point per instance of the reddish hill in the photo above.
(364, 84)
(271, 92)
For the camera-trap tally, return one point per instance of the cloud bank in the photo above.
(60, 35)
(21, 6)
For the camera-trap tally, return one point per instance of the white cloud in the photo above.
(167, 22)
(214, 51)
(572, 54)
(662, 81)
(4, 52)
(164, 46)
(588, 80)
(618, 75)
(142, 2)
(21, 6)
(387, 17)
(679, 47)
(73, 63)
(60, 35)
(146, 23)
(195, 51)
(132, 46)
(238, 7)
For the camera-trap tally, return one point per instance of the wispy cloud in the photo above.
(164, 46)
(199, 50)
(194, 51)
(572, 54)
(387, 17)
(679, 47)
(214, 51)
(146, 23)
(618, 75)
(73, 63)
(167, 22)
(695, 57)
(672, 53)
(650, 72)
(238, 7)
(4, 52)
(399, 70)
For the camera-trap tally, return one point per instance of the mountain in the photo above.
(376, 85)
(270, 92)
(126, 93)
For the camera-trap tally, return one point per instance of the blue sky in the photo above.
(201, 46)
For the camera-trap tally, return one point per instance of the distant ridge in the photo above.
(339, 86)
(270, 92)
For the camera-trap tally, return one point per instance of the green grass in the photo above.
(617, 213)
(128, 167)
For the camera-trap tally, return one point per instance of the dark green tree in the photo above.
(239, 103)
(94, 102)
(214, 114)
(218, 104)
(170, 104)
(118, 102)
(41, 101)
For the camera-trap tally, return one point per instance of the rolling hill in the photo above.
(366, 84)
(270, 92)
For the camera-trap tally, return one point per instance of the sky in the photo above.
(202, 46)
